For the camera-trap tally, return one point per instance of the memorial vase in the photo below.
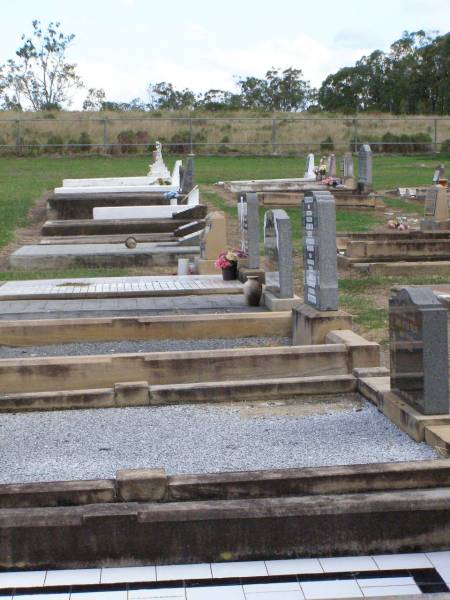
(229, 273)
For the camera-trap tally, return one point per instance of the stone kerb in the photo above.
(419, 349)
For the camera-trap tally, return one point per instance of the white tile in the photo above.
(315, 590)
(113, 595)
(276, 596)
(441, 562)
(161, 594)
(347, 564)
(22, 579)
(220, 592)
(385, 581)
(127, 574)
(64, 596)
(398, 590)
(282, 586)
(402, 561)
(183, 572)
(293, 566)
(239, 569)
(72, 577)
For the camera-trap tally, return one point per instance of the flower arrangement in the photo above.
(228, 258)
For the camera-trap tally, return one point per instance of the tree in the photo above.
(163, 96)
(40, 78)
(95, 99)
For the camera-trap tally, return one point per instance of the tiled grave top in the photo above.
(118, 286)
(293, 579)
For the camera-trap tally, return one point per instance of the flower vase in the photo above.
(253, 290)
(230, 273)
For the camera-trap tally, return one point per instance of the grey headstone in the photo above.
(309, 170)
(430, 202)
(419, 349)
(347, 165)
(188, 183)
(331, 166)
(365, 167)
(319, 251)
(248, 215)
(278, 253)
(439, 173)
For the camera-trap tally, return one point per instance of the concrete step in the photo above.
(438, 436)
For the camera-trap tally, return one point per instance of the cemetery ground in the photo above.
(24, 180)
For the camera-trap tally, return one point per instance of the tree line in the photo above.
(413, 77)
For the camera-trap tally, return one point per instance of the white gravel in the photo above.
(192, 439)
(169, 345)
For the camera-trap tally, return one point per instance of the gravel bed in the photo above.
(169, 345)
(88, 444)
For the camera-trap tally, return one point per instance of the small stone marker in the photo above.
(319, 251)
(419, 349)
(248, 215)
(439, 173)
(365, 168)
(309, 172)
(187, 182)
(278, 253)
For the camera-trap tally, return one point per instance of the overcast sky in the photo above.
(123, 45)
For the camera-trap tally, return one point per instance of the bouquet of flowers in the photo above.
(227, 258)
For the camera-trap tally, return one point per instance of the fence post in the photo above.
(355, 135)
(191, 143)
(105, 134)
(17, 135)
(274, 136)
(435, 136)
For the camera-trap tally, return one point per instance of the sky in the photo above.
(123, 45)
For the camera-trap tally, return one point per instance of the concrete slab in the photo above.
(118, 287)
(112, 227)
(60, 256)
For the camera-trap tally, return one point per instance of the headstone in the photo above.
(213, 239)
(248, 215)
(365, 167)
(278, 253)
(436, 204)
(439, 173)
(319, 251)
(158, 169)
(331, 166)
(419, 350)
(187, 183)
(402, 192)
(347, 165)
(309, 172)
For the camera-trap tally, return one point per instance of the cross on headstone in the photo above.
(365, 167)
(248, 215)
(278, 253)
(419, 349)
(319, 251)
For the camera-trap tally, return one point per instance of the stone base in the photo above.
(311, 326)
(273, 303)
(205, 267)
(245, 272)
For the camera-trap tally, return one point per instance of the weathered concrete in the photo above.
(90, 227)
(215, 530)
(311, 326)
(57, 331)
(344, 199)
(39, 257)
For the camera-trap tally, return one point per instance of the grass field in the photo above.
(23, 180)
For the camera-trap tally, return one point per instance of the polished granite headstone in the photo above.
(365, 167)
(319, 251)
(248, 216)
(419, 350)
(278, 253)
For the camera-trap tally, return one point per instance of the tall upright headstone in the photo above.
(439, 173)
(248, 215)
(213, 241)
(278, 253)
(187, 182)
(309, 172)
(347, 165)
(419, 349)
(319, 251)
(365, 168)
(331, 165)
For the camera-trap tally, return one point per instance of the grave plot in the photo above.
(401, 253)
(349, 191)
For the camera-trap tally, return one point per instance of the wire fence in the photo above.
(283, 135)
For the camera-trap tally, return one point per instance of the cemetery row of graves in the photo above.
(193, 323)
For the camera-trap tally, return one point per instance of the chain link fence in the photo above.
(281, 135)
